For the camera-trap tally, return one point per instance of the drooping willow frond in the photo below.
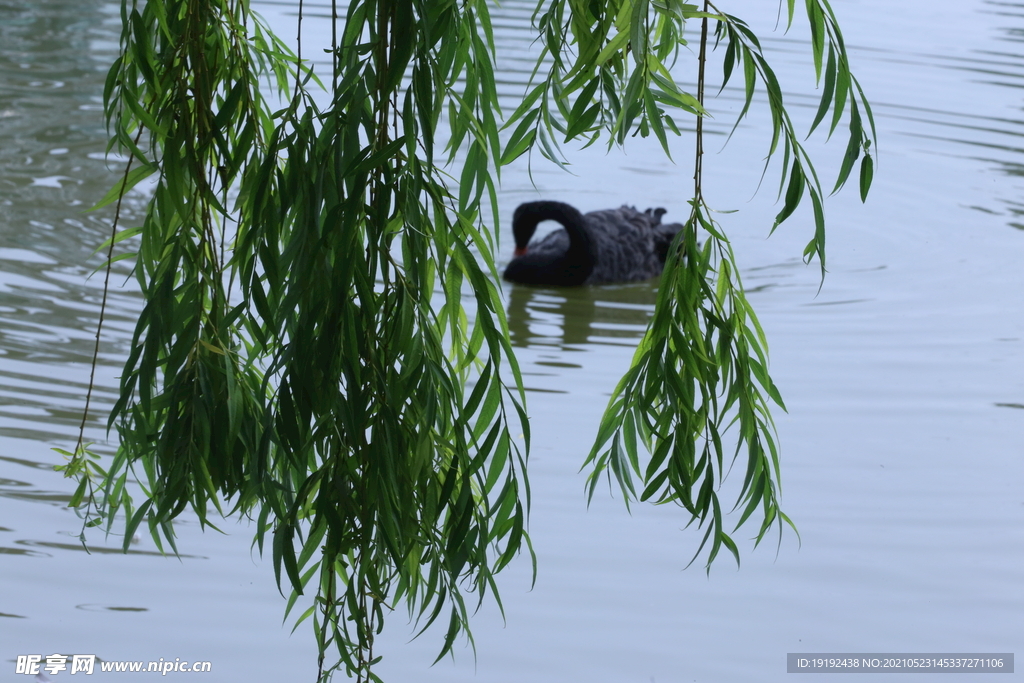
(305, 356)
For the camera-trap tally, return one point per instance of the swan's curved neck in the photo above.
(527, 216)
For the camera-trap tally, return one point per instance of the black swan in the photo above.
(614, 245)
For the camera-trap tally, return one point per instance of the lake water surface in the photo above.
(904, 378)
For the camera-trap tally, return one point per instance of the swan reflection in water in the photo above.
(568, 318)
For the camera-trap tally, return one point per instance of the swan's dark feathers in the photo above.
(613, 245)
(663, 233)
(656, 215)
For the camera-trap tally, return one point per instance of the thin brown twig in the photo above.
(298, 52)
(698, 162)
(103, 303)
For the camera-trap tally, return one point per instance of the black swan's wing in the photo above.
(663, 236)
(655, 215)
(624, 242)
(551, 246)
(663, 233)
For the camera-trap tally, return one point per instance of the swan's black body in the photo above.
(614, 245)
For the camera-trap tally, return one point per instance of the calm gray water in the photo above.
(904, 379)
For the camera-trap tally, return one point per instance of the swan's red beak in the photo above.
(519, 251)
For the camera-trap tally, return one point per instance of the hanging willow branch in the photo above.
(305, 357)
(702, 367)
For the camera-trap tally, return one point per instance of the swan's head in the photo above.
(563, 261)
(519, 229)
(529, 214)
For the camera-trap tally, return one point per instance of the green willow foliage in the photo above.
(304, 356)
